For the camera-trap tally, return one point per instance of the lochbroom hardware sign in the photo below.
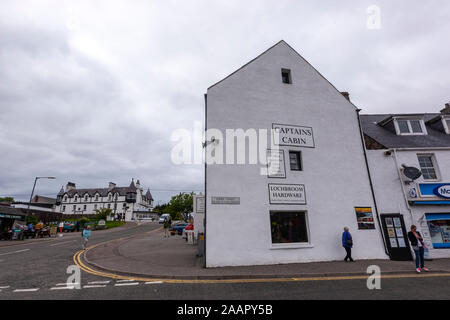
(295, 136)
(287, 194)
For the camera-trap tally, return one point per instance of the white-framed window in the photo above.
(63, 208)
(74, 208)
(76, 198)
(427, 163)
(96, 197)
(85, 198)
(65, 199)
(410, 126)
(95, 206)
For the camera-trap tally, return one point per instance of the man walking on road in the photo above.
(86, 234)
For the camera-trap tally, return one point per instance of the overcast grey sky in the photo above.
(90, 91)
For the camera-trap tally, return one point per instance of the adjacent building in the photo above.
(310, 180)
(409, 158)
(125, 202)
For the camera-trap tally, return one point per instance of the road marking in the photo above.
(94, 286)
(99, 282)
(130, 280)
(67, 283)
(26, 290)
(153, 282)
(57, 244)
(63, 288)
(4, 254)
(126, 284)
(5, 287)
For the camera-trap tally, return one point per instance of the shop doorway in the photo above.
(396, 237)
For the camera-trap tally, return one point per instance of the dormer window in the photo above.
(410, 126)
(446, 123)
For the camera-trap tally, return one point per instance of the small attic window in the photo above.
(446, 122)
(286, 76)
(410, 127)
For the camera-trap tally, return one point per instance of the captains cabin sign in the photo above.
(295, 136)
(442, 191)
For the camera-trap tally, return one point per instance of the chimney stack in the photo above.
(346, 95)
(70, 186)
(446, 110)
(112, 185)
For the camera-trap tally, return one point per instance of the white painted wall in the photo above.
(389, 193)
(335, 175)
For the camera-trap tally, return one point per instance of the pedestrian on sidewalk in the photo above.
(347, 243)
(418, 246)
(86, 234)
(166, 228)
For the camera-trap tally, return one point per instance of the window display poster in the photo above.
(389, 222)
(364, 218)
(399, 232)
(393, 243)
(397, 222)
(401, 242)
(275, 164)
(391, 232)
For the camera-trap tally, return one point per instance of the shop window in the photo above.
(286, 76)
(427, 166)
(440, 233)
(288, 227)
(295, 160)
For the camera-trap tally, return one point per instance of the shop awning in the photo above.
(440, 202)
(437, 216)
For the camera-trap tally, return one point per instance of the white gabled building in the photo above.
(409, 157)
(125, 202)
(297, 214)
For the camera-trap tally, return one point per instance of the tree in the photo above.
(103, 213)
(32, 219)
(181, 204)
(7, 199)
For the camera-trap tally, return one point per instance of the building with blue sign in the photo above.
(409, 162)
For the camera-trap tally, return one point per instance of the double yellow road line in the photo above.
(78, 261)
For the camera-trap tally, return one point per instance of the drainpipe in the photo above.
(403, 186)
(371, 184)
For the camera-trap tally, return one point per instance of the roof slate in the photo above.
(434, 138)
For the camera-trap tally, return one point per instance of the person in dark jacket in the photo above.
(418, 246)
(347, 243)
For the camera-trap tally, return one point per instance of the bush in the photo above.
(32, 219)
(83, 221)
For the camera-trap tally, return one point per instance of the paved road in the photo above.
(37, 270)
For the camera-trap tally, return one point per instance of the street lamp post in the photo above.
(32, 192)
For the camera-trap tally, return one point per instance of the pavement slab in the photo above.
(154, 256)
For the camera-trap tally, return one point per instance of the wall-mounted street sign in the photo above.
(225, 200)
(287, 193)
(442, 191)
(295, 136)
(199, 204)
(275, 164)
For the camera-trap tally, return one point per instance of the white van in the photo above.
(164, 217)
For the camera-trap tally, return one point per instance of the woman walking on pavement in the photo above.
(347, 243)
(418, 246)
(166, 228)
(86, 234)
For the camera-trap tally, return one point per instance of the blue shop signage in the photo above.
(441, 190)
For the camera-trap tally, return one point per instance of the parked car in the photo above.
(164, 217)
(69, 227)
(178, 228)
